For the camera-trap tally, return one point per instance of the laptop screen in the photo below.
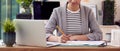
(43, 10)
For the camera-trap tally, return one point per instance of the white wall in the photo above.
(96, 2)
(117, 13)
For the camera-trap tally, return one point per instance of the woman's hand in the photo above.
(79, 37)
(63, 38)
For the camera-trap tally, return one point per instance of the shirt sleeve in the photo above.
(51, 25)
(95, 32)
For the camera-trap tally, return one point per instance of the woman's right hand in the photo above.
(63, 38)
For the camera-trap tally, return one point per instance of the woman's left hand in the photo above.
(78, 37)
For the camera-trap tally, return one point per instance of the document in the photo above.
(51, 44)
(83, 43)
(80, 43)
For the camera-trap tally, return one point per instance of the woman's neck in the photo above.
(73, 7)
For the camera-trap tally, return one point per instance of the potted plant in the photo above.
(9, 34)
(27, 10)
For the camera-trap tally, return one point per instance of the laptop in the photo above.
(31, 33)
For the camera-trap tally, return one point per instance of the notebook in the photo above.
(81, 43)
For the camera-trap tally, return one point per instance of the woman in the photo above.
(76, 21)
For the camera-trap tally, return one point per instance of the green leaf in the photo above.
(8, 26)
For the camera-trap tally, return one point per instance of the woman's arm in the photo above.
(62, 38)
(53, 38)
(51, 25)
(79, 37)
(95, 32)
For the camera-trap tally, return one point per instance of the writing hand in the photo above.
(63, 38)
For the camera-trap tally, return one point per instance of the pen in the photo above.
(59, 29)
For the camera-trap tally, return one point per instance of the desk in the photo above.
(24, 48)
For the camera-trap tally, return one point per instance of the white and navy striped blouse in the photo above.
(74, 22)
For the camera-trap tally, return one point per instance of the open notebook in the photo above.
(81, 43)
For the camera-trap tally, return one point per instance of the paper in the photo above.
(83, 43)
(79, 43)
(50, 44)
(53, 43)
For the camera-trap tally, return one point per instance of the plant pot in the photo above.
(9, 38)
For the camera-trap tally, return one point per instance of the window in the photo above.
(0, 18)
(8, 8)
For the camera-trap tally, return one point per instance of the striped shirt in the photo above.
(73, 22)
